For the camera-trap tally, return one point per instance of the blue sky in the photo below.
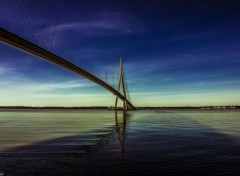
(175, 53)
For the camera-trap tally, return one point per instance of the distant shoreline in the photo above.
(237, 107)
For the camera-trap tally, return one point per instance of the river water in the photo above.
(98, 142)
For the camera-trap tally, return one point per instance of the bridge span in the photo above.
(20, 43)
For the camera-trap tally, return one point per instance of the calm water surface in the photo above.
(84, 142)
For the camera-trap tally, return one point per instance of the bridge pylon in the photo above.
(121, 84)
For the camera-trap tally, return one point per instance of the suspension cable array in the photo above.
(35, 24)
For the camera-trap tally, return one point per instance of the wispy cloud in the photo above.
(17, 89)
(30, 85)
(107, 23)
(12, 76)
(5, 70)
(59, 85)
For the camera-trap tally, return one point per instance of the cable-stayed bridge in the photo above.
(11, 36)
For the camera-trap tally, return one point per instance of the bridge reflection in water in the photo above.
(120, 128)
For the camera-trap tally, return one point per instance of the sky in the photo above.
(175, 53)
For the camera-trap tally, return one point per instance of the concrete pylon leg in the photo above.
(116, 102)
(124, 105)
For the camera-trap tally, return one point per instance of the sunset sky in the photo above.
(175, 53)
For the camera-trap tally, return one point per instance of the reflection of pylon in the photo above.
(121, 131)
(121, 83)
